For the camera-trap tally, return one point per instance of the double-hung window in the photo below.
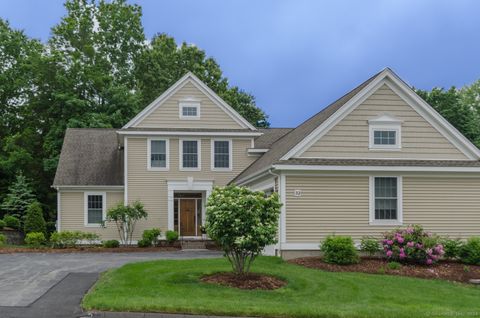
(385, 200)
(95, 208)
(158, 154)
(190, 154)
(221, 154)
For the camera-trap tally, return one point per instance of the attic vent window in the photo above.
(189, 110)
(385, 133)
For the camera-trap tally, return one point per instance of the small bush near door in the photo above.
(339, 250)
(171, 236)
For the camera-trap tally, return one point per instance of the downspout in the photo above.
(270, 171)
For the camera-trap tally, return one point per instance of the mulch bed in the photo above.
(9, 250)
(247, 281)
(451, 271)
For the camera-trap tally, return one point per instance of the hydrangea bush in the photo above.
(412, 244)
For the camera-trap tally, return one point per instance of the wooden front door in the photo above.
(187, 217)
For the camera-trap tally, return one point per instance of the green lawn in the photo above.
(173, 286)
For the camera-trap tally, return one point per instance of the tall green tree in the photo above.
(163, 62)
(19, 197)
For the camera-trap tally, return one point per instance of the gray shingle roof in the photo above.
(90, 157)
(270, 135)
(380, 162)
(285, 143)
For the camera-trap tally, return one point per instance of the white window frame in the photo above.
(212, 155)
(399, 220)
(85, 208)
(189, 103)
(149, 154)
(199, 155)
(385, 122)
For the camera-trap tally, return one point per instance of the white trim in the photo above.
(188, 185)
(372, 220)
(125, 170)
(300, 246)
(264, 185)
(190, 77)
(85, 208)
(149, 153)
(189, 103)
(375, 168)
(372, 127)
(76, 188)
(404, 91)
(189, 133)
(257, 150)
(199, 155)
(59, 215)
(282, 183)
(212, 154)
(252, 177)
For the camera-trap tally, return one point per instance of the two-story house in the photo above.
(376, 158)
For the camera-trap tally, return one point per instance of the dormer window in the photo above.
(385, 133)
(189, 110)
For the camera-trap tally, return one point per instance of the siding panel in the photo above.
(349, 138)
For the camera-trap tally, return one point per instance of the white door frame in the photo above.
(188, 185)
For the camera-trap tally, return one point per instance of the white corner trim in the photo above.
(149, 153)
(405, 92)
(125, 170)
(199, 155)
(212, 154)
(399, 220)
(85, 207)
(188, 103)
(189, 77)
(283, 210)
(59, 213)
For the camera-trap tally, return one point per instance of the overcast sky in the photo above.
(295, 56)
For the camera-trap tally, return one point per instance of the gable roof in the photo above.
(289, 140)
(299, 139)
(90, 157)
(269, 136)
(190, 78)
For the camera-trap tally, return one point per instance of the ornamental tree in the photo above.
(125, 218)
(242, 222)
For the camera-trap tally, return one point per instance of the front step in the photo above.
(193, 245)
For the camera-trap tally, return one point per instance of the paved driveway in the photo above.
(24, 277)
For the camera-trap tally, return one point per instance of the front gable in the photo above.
(389, 104)
(189, 103)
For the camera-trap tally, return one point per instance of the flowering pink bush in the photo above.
(412, 244)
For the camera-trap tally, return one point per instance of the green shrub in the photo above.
(339, 250)
(144, 243)
(369, 246)
(452, 248)
(111, 244)
(72, 238)
(394, 265)
(3, 239)
(35, 239)
(51, 228)
(12, 222)
(151, 236)
(171, 236)
(2, 224)
(34, 221)
(470, 251)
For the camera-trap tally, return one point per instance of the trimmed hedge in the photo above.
(339, 250)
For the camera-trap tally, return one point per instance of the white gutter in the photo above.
(189, 133)
(375, 168)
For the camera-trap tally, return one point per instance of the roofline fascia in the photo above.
(189, 133)
(87, 187)
(253, 176)
(374, 168)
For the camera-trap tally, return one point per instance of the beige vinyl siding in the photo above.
(72, 213)
(150, 187)
(350, 137)
(167, 114)
(340, 205)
